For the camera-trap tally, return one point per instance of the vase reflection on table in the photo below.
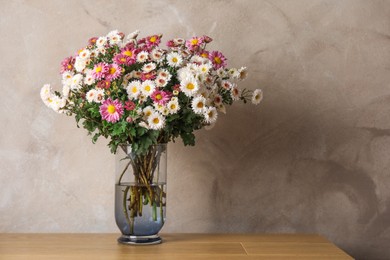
(140, 194)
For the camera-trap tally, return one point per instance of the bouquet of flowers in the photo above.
(136, 93)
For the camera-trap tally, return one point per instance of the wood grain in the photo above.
(174, 246)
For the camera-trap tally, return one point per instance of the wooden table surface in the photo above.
(174, 246)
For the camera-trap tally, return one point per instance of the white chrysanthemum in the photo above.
(234, 73)
(243, 73)
(89, 79)
(235, 93)
(46, 91)
(257, 96)
(156, 121)
(99, 97)
(217, 99)
(148, 67)
(163, 73)
(198, 104)
(114, 37)
(161, 82)
(174, 59)
(134, 89)
(204, 68)
(57, 103)
(101, 41)
(147, 111)
(210, 115)
(184, 73)
(101, 50)
(221, 72)
(80, 64)
(193, 67)
(142, 56)
(65, 91)
(158, 107)
(77, 81)
(91, 95)
(67, 78)
(148, 87)
(226, 84)
(133, 35)
(84, 54)
(142, 98)
(157, 54)
(189, 86)
(198, 59)
(173, 106)
(174, 99)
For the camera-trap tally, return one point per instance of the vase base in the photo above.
(139, 240)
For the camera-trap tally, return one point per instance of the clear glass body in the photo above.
(140, 191)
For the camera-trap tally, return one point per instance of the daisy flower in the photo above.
(67, 78)
(163, 73)
(257, 96)
(80, 64)
(160, 97)
(89, 79)
(204, 68)
(184, 73)
(114, 72)
(84, 54)
(91, 95)
(111, 110)
(217, 59)
(142, 98)
(210, 115)
(99, 96)
(147, 111)
(57, 104)
(157, 54)
(121, 59)
(67, 64)
(173, 106)
(142, 56)
(235, 93)
(99, 70)
(134, 89)
(114, 37)
(226, 84)
(46, 92)
(194, 43)
(189, 86)
(161, 82)
(218, 99)
(174, 59)
(153, 41)
(147, 87)
(198, 104)
(148, 67)
(156, 121)
(234, 73)
(243, 73)
(77, 81)
(129, 52)
(101, 41)
(148, 76)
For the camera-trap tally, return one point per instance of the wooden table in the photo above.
(174, 246)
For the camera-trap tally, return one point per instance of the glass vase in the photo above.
(140, 194)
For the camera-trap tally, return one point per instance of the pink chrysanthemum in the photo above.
(148, 76)
(217, 59)
(111, 110)
(99, 70)
(160, 97)
(114, 72)
(104, 84)
(194, 43)
(153, 41)
(130, 105)
(67, 64)
(92, 41)
(121, 59)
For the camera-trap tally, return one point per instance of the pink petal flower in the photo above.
(111, 110)
(161, 97)
(217, 59)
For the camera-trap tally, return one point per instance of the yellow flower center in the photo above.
(122, 59)
(148, 113)
(153, 39)
(204, 55)
(134, 90)
(111, 109)
(190, 86)
(194, 41)
(98, 69)
(69, 66)
(128, 53)
(147, 88)
(158, 96)
(210, 114)
(174, 59)
(217, 60)
(112, 70)
(200, 105)
(156, 120)
(173, 106)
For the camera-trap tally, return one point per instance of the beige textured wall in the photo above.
(314, 157)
